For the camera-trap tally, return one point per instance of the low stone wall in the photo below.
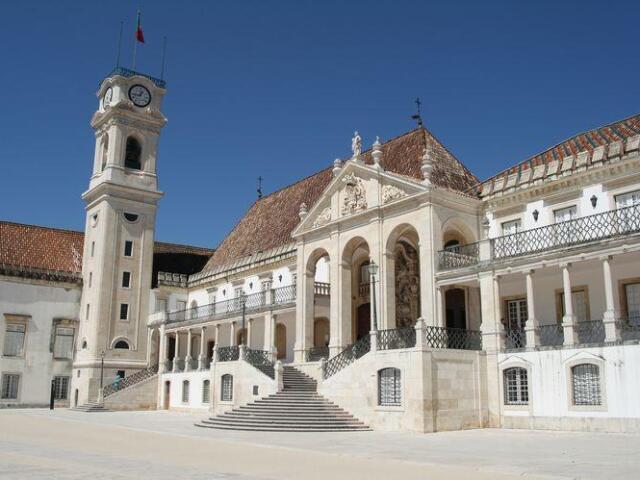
(141, 396)
(441, 390)
(249, 384)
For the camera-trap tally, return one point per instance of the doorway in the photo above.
(456, 311)
(281, 341)
(167, 395)
(363, 320)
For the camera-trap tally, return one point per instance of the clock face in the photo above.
(140, 95)
(108, 95)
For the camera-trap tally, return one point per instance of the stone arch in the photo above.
(121, 343)
(456, 232)
(321, 333)
(356, 290)
(133, 153)
(104, 151)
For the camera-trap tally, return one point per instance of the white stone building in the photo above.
(394, 284)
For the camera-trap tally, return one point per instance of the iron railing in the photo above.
(515, 338)
(551, 335)
(453, 338)
(629, 328)
(322, 289)
(228, 354)
(255, 301)
(396, 338)
(347, 356)
(128, 381)
(315, 354)
(611, 224)
(126, 72)
(261, 360)
(459, 256)
(590, 331)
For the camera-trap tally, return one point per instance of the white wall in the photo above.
(196, 380)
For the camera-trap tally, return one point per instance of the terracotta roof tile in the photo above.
(269, 222)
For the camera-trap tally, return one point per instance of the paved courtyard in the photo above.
(63, 444)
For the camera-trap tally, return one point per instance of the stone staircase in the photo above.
(297, 408)
(90, 407)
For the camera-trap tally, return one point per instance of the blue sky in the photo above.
(276, 88)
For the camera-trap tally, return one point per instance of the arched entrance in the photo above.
(403, 277)
(154, 348)
(241, 337)
(281, 341)
(357, 281)
(455, 308)
(321, 334)
(167, 395)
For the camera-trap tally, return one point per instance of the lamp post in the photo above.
(244, 309)
(101, 392)
(373, 269)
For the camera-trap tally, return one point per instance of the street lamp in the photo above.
(373, 270)
(244, 308)
(101, 393)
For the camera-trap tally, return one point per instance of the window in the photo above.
(130, 217)
(579, 302)
(124, 311)
(126, 279)
(565, 214)
(181, 305)
(516, 387)
(389, 387)
(185, 391)
(586, 384)
(132, 154)
(10, 383)
(628, 199)
(628, 217)
(14, 339)
(90, 279)
(517, 316)
(205, 391)
(161, 305)
(511, 227)
(93, 248)
(61, 388)
(63, 343)
(86, 313)
(128, 248)
(226, 388)
(632, 297)
(121, 345)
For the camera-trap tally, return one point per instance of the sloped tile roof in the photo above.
(54, 249)
(269, 221)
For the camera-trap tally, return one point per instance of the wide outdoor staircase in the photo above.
(90, 407)
(297, 408)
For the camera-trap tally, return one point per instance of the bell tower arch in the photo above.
(120, 204)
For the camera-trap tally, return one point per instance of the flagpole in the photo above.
(164, 53)
(135, 42)
(119, 45)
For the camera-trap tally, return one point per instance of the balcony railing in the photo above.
(347, 357)
(551, 335)
(126, 72)
(315, 354)
(515, 338)
(228, 354)
(459, 256)
(364, 289)
(255, 301)
(322, 289)
(453, 338)
(397, 338)
(590, 332)
(629, 328)
(611, 224)
(128, 381)
(261, 360)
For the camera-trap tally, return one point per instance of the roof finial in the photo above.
(418, 116)
(427, 165)
(303, 210)
(259, 187)
(337, 166)
(356, 146)
(376, 153)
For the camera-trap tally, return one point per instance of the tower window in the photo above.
(121, 345)
(126, 279)
(105, 151)
(132, 154)
(128, 248)
(93, 248)
(130, 217)
(124, 311)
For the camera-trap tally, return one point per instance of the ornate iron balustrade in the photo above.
(261, 360)
(590, 331)
(315, 354)
(126, 72)
(629, 328)
(453, 338)
(611, 224)
(321, 288)
(515, 338)
(551, 335)
(347, 357)
(396, 338)
(284, 295)
(228, 354)
(459, 256)
(128, 381)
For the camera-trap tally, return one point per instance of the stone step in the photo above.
(243, 414)
(275, 428)
(281, 423)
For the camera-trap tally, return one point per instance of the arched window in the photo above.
(389, 387)
(205, 391)
(133, 154)
(185, 391)
(105, 151)
(193, 310)
(226, 388)
(516, 386)
(122, 345)
(586, 384)
(451, 245)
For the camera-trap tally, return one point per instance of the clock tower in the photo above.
(121, 204)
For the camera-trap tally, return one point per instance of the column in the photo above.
(492, 334)
(335, 303)
(388, 289)
(268, 332)
(531, 328)
(162, 364)
(232, 340)
(216, 338)
(266, 284)
(610, 314)
(248, 332)
(188, 358)
(568, 320)
(440, 320)
(302, 294)
(202, 359)
(176, 356)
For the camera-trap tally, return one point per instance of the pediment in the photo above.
(355, 189)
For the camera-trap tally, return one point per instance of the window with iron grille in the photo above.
(205, 391)
(586, 384)
(389, 387)
(516, 387)
(185, 391)
(226, 388)
(10, 383)
(14, 340)
(63, 343)
(60, 388)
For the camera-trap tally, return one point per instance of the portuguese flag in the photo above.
(139, 34)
